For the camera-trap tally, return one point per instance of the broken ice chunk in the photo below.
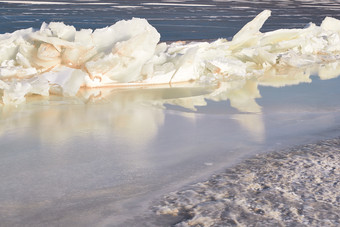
(15, 94)
(8, 69)
(227, 67)
(331, 24)
(249, 34)
(253, 27)
(68, 80)
(329, 71)
(62, 31)
(104, 39)
(3, 85)
(40, 86)
(125, 62)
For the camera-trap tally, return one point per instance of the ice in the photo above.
(250, 32)
(128, 53)
(331, 24)
(67, 80)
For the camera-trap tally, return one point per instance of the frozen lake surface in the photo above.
(66, 163)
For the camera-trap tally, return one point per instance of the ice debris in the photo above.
(58, 59)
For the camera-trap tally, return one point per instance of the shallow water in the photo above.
(86, 161)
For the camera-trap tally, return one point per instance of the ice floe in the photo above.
(58, 59)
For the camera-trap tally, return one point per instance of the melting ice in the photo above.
(58, 59)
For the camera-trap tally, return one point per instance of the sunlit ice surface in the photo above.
(101, 157)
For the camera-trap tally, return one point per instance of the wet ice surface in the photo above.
(66, 163)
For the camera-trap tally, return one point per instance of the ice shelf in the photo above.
(58, 59)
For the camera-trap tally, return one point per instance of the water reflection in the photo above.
(242, 94)
(134, 115)
(253, 124)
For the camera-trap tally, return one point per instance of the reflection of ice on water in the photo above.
(329, 71)
(132, 115)
(135, 115)
(242, 95)
(253, 124)
(127, 116)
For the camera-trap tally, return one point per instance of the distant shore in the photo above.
(299, 186)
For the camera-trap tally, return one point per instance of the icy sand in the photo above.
(298, 186)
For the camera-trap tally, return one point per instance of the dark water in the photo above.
(174, 19)
(63, 163)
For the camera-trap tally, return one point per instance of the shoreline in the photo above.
(295, 186)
